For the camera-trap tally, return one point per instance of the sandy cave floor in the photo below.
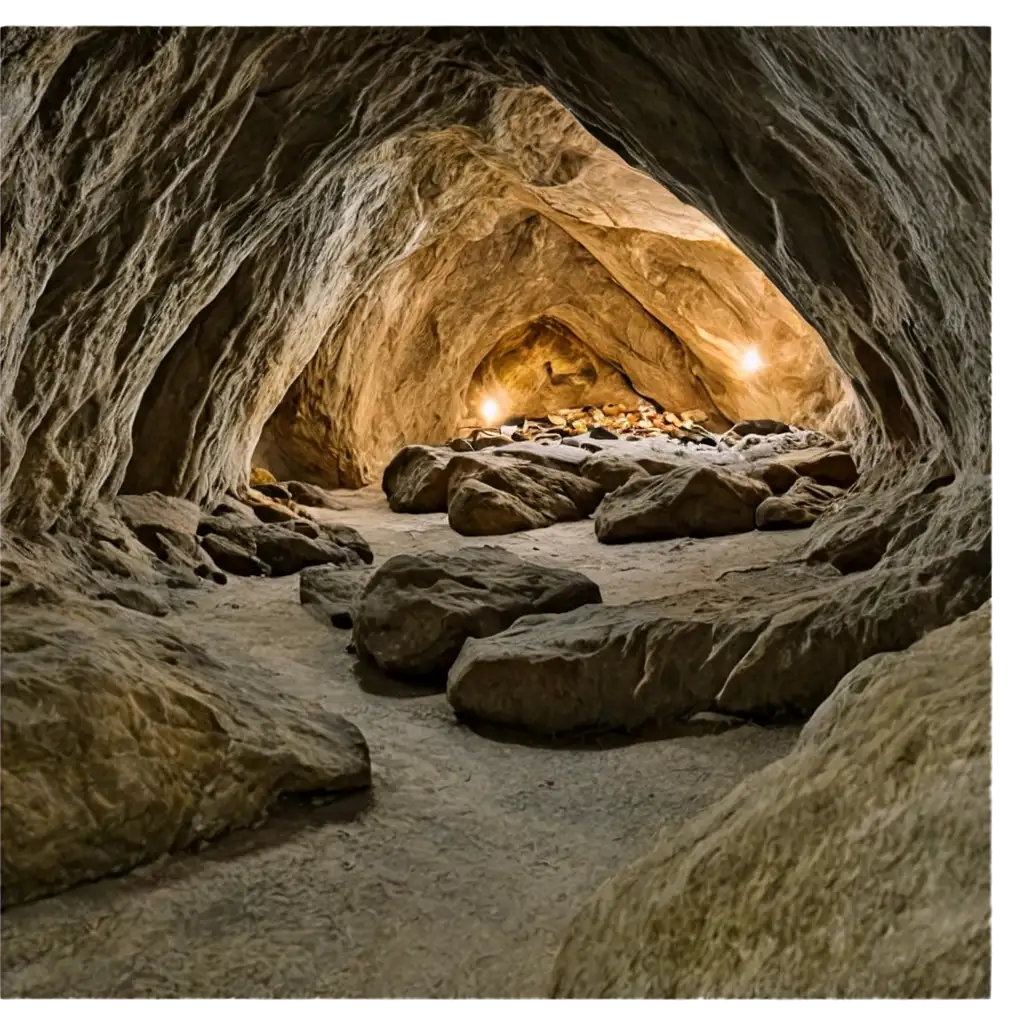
(457, 875)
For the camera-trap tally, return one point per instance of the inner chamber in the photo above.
(545, 285)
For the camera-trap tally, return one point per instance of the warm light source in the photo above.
(751, 361)
(490, 411)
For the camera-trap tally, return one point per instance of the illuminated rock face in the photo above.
(324, 237)
(546, 274)
(277, 211)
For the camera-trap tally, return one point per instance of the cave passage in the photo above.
(420, 509)
(547, 277)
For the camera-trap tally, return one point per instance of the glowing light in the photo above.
(752, 361)
(490, 411)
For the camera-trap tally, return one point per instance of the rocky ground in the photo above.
(460, 870)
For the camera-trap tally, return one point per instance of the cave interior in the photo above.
(437, 461)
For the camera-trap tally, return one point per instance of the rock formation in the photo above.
(320, 245)
(847, 870)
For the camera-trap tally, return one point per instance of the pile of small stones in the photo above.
(606, 422)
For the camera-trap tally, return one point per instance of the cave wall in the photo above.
(177, 203)
(525, 217)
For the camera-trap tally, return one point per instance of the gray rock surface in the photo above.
(418, 610)
(800, 506)
(331, 593)
(693, 501)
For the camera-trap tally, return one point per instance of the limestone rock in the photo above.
(416, 479)
(777, 475)
(314, 497)
(806, 648)
(460, 444)
(123, 741)
(609, 667)
(418, 610)
(610, 470)
(542, 496)
(147, 514)
(148, 600)
(693, 501)
(799, 506)
(755, 898)
(476, 509)
(234, 557)
(284, 548)
(832, 468)
(331, 593)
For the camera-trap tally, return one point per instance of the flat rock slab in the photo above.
(331, 593)
(531, 496)
(693, 501)
(598, 668)
(124, 740)
(418, 610)
(619, 667)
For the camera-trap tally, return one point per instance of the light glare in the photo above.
(489, 410)
(752, 361)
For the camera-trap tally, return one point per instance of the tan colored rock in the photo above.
(418, 610)
(478, 509)
(692, 501)
(597, 668)
(799, 507)
(549, 495)
(610, 470)
(416, 479)
(756, 898)
(778, 476)
(123, 742)
(331, 593)
(835, 469)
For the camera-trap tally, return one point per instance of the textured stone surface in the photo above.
(492, 496)
(798, 507)
(418, 610)
(123, 741)
(416, 479)
(756, 898)
(831, 155)
(692, 501)
(331, 593)
(199, 223)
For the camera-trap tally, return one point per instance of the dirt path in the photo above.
(458, 874)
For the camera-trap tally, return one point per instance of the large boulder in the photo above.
(780, 658)
(418, 610)
(416, 479)
(542, 496)
(856, 867)
(477, 509)
(123, 741)
(692, 501)
(830, 466)
(800, 506)
(609, 667)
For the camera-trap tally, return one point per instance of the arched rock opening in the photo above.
(651, 288)
(209, 231)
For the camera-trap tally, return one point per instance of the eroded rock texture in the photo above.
(756, 897)
(222, 199)
(202, 224)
